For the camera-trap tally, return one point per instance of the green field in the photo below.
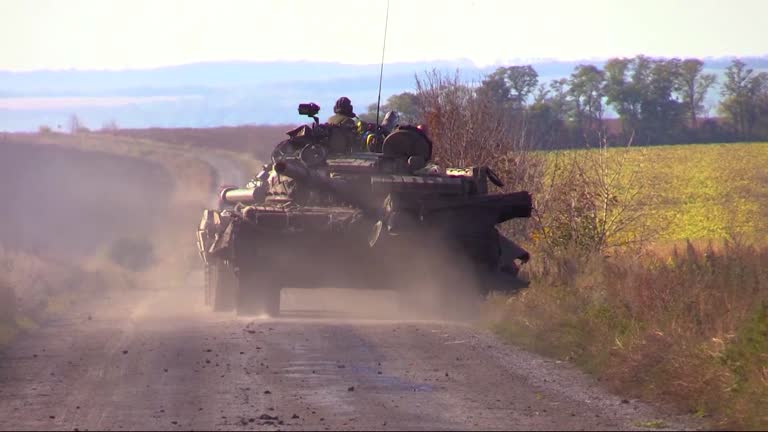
(708, 191)
(695, 192)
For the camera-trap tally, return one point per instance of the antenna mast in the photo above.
(381, 71)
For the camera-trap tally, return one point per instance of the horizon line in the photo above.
(462, 60)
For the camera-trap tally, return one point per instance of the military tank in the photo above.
(323, 214)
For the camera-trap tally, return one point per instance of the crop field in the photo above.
(699, 192)
(708, 191)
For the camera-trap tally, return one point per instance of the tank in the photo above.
(324, 214)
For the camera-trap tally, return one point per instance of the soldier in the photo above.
(344, 114)
(345, 137)
(374, 137)
(391, 119)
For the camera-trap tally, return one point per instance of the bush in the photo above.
(593, 201)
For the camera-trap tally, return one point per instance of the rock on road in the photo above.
(157, 360)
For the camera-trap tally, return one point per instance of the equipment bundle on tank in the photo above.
(323, 215)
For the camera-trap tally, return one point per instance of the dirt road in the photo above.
(156, 360)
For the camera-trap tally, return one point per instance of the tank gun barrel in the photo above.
(242, 195)
(297, 172)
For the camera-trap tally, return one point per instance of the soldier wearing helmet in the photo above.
(344, 114)
(373, 139)
(391, 119)
(346, 130)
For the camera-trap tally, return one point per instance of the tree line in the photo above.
(656, 101)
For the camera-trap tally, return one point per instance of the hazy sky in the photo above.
(111, 34)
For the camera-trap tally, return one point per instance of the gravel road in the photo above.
(157, 360)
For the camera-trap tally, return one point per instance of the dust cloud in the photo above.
(96, 226)
(85, 207)
(404, 279)
(69, 203)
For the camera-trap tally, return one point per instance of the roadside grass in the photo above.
(33, 288)
(680, 317)
(8, 326)
(690, 328)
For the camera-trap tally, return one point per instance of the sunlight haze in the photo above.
(116, 34)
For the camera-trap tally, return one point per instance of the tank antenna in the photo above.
(381, 71)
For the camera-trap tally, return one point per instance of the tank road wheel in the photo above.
(220, 287)
(257, 294)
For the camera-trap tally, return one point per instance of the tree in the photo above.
(509, 86)
(110, 126)
(494, 89)
(641, 90)
(522, 81)
(693, 85)
(620, 93)
(406, 104)
(76, 126)
(466, 128)
(662, 115)
(586, 90)
(545, 119)
(470, 130)
(543, 124)
(742, 93)
(558, 98)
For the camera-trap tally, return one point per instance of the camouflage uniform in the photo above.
(344, 114)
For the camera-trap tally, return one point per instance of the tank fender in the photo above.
(509, 253)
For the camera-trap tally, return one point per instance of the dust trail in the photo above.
(70, 204)
(79, 227)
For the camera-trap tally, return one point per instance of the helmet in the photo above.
(391, 119)
(344, 106)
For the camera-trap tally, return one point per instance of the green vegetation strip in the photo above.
(702, 191)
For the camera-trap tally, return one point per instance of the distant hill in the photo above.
(221, 94)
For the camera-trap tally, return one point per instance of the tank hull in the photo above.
(341, 247)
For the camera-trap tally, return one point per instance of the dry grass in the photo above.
(689, 328)
(616, 291)
(7, 311)
(35, 288)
